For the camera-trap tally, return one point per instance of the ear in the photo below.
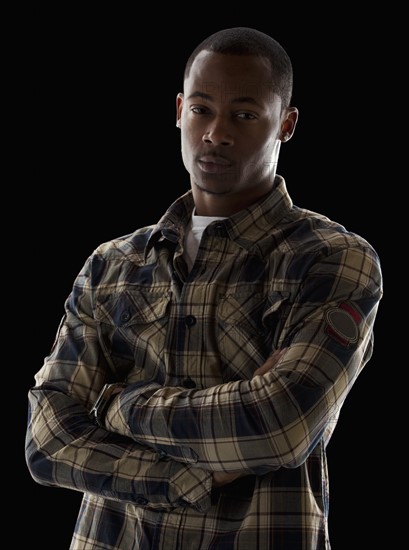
(179, 105)
(288, 123)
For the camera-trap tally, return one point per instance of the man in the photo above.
(202, 362)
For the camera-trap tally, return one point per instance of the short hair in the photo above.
(248, 41)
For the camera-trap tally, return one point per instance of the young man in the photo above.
(202, 362)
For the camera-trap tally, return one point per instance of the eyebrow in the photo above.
(241, 99)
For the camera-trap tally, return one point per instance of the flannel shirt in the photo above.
(187, 344)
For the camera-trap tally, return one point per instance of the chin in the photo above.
(214, 186)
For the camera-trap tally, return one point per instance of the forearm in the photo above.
(64, 448)
(271, 421)
(231, 427)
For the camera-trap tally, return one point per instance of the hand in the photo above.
(223, 478)
(271, 361)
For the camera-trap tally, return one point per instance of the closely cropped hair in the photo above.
(248, 41)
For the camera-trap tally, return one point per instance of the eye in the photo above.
(246, 116)
(198, 110)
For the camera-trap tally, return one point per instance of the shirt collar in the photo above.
(246, 227)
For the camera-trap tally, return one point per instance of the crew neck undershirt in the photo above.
(194, 234)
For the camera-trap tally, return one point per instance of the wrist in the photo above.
(104, 400)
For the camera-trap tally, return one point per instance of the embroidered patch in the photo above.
(342, 324)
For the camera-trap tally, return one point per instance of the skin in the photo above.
(232, 126)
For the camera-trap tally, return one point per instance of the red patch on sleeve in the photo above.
(343, 324)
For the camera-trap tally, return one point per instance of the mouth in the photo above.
(214, 165)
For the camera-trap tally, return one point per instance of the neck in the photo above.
(225, 205)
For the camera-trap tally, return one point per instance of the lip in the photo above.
(213, 165)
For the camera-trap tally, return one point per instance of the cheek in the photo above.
(268, 144)
(188, 139)
(259, 150)
(187, 151)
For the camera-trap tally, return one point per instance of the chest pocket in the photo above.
(132, 331)
(249, 326)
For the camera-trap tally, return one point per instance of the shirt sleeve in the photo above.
(274, 420)
(64, 448)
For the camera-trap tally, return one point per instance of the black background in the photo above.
(105, 159)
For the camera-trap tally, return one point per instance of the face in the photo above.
(231, 124)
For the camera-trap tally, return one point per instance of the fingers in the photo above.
(270, 362)
(277, 354)
(222, 478)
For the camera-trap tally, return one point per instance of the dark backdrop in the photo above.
(106, 159)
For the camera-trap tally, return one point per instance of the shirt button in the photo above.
(142, 501)
(188, 383)
(221, 230)
(190, 320)
(125, 316)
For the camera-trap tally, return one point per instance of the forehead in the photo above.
(230, 76)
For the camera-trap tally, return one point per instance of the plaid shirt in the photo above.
(187, 344)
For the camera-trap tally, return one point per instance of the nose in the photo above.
(217, 133)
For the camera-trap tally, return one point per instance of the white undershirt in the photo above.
(194, 234)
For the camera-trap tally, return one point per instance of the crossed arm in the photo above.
(167, 444)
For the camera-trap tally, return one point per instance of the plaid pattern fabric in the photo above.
(187, 345)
